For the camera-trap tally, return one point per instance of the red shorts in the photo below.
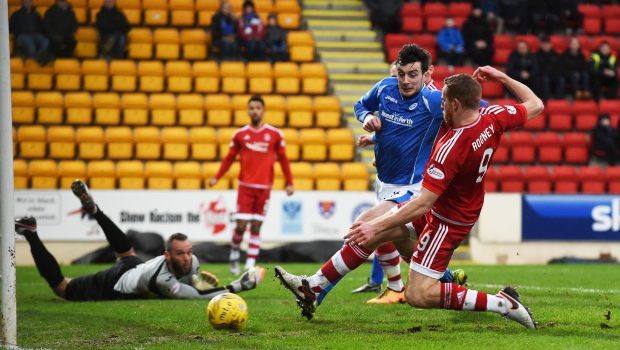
(436, 242)
(252, 203)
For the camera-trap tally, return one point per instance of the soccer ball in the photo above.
(227, 310)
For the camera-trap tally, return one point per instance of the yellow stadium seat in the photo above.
(302, 176)
(78, 106)
(313, 144)
(20, 174)
(206, 77)
(206, 9)
(175, 142)
(241, 117)
(300, 111)
(313, 70)
(299, 39)
(233, 172)
(32, 141)
(140, 43)
(179, 76)
(314, 77)
(18, 77)
(155, 12)
(275, 110)
(132, 10)
(49, 108)
(302, 53)
(43, 174)
(130, 174)
(327, 111)
(203, 144)
(148, 142)
(167, 44)
(191, 109)
(218, 110)
(224, 140)
(69, 171)
(68, 74)
(135, 109)
(23, 104)
(107, 108)
(240, 101)
(39, 78)
(119, 140)
(163, 109)
(194, 42)
(341, 144)
(327, 176)
(61, 142)
(289, 21)
(151, 76)
(291, 138)
(264, 6)
(287, 6)
(183, 12)
(87, 39)
(123, 74)
(355, 176)
(261, 77)
(287, 77)
(95, 75)
(80, 8)
(187, 175)
(208, 171)
(90, 142)
(101, 174)
(159, 175)
(234, 81)
(94, 6)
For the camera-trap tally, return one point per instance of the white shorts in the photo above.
(385, 191)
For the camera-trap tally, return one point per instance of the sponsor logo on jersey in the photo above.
(267, 137)
(246, 137)
(262, 147)
(359, 209)
(483, 137)
(215, 215)
(390, 98)
(511, 109)
(435, 173)
(413, 106)
(397, 119)
(327, 208)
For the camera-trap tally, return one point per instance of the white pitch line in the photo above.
(567, 289)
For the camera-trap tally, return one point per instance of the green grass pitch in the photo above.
(577, 307)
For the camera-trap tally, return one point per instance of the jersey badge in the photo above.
(413, 106)
(435, 173)
(246, 137)
(511, 109)
(267, 137)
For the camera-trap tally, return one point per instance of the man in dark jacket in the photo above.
(603, 66)
(548, 65)
(575, 69)
(275, 38)
(478, 38)
(522, 65)
(60, 26)
(27, 27)
(223, 32)
(604, 141)
(113, 27)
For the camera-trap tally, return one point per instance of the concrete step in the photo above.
(330, 24)
(352, 57)
(345, 35)
(365, 67)
(334, 14)
(348, 45)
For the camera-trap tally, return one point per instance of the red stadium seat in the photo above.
(585, 122)
(585, 107)
(522, 147)
(435, 9)
(612, 173)
(491, 89)
(441, 72)
(611, 11)
(565, 179)
(612, 26)
(392, 54)
(464, 70)
(511, 178)
(434, 24)
(530, 39)
(501, 153)
(609, 106)
(538, 179)
(560, 122)
(503, 41)
(459, 9)
(592, 25)
(413, 24)
(501, 56)
(490, 180)
(411, 9)
(539, 123)
(576, 148)
(590, 10)
(396, 40)
(559, 43)
(558, 106)
(549, 147)
(592, 180)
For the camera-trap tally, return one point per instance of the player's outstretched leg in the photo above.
(45, 262)
(375, 279)
(115, 236)
(250, 279)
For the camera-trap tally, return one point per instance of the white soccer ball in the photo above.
(227, 310)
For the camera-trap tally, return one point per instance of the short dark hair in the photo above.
(257, 98)
(411, 53)
(175, 237)
(464, 88)
(248, 3)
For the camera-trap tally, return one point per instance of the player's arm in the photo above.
(227, 161)
(286, 166)
(366, 106)
(366, 140)
(524, 94)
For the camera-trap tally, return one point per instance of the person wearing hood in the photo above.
(478, 38)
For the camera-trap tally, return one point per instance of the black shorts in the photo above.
(100, 286)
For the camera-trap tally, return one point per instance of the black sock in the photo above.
(46, 263)
(115, 236)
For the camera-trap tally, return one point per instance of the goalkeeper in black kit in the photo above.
(175, 274)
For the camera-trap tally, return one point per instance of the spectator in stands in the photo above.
(604, 143)
(451, 43)
(575, 69)
(545, 16)
(60, 25)
(275, 38)
(603, 67)
(571, 19)
(522, 65)
(385, 14)
(515, 15)
(223, 32)
(478, 38)
(252, 32)
(27, 27)
(548, 66)
(113, 27)
(490, 10)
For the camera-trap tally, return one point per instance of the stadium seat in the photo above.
(427, 41)
(203, 145)
(163, 109)
(18, 74)
(502, 153)
(609, 106)
(20, 177)
(327, 111)
(159, 175)
(218, 110)
(549, 147)
(123, 74)
(32, 141)
(206, 77)
(87, 41)
(167, 43)
(23, 106)
(78, 107)
(234, 81)
(560, 122)
(175, 141)
(261, 77)
(576, 148)
(585, 107)
(61, 142)
(275, 110)
(434, 24)
(69, 171)
(151, 76)
(224, 138)
(90, 142)
(148, 142)
(592, 26)
(179, 76)
(590, 10)
(491, 180)
(191, 109)
(501, 56)
(119, 140)
(300, 111)
(206, 9)
(411, 9)
(291, 137)
(592, 180)
(68, 74)
(522, 147)
(327, 176)
(302, 53)
(491, 89)
(355, 176)
(341, 144)
(155, 12)
(135, 109)
(241, 117)
(396, 40)
(302, 176)
(101, 174)
(95, 74)
(50, 108)
(612, 26)
(558, 107)
(132, 10)
(183, 13)
(313, 145)
(289, 21)
(610, 11)
(107, 108)
(531, 41)
(559, 43)
(140, 43)
(209, 170)
(537, 124)
(511, 178)
(187, 175)
(287, 77)
(130, 174)
(585, 122)
(565, 179)
(538, 179)
(39, 78)
(314, 78)
(194, 42)
(459, 9)
(612, 174)
(43, 174)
